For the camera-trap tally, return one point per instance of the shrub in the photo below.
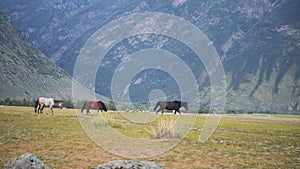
(231, 112)
(111, 105)
(165, 128)
(203, 111)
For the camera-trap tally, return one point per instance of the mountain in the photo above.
(257, 41)
(26, 73)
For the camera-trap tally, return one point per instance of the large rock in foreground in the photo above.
(131, 164)
(26, 161)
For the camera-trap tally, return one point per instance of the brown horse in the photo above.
(170, 105)
(99, 105)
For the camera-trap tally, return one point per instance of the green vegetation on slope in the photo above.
(26, 72)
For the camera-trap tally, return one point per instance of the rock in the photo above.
(26, 161)
(130, 164)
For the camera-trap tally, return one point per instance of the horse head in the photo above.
(184, 104)
(36, 106)
(59, 103)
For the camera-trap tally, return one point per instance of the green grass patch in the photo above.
(239, 141)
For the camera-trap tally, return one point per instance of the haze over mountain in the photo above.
(257, 41)
(26, 73)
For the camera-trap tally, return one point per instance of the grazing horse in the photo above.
(42, 102)
(99, 105)
(170, 105)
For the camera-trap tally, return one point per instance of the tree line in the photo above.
(30, 103)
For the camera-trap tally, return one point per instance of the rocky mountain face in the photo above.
(258, 43)
(25, 72)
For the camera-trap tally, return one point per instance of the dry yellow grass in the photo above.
(240, 141)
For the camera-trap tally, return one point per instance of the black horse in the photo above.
(170, 105)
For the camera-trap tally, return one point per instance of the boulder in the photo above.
(129, 164)
(26, 161)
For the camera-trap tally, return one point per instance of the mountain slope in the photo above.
(26, 72)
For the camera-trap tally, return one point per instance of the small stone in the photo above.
(26, 161)
(129, 164)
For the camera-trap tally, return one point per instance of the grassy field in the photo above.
(240, 141)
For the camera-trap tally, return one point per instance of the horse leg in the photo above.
(88, 110)
(41, 109)
(177, 111)
(51, 108)
(37, 109)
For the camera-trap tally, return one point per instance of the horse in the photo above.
(42, 102)
(99, 105)
(170, 105)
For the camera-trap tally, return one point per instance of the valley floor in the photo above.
(239, 141)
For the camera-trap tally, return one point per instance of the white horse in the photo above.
(46, 102)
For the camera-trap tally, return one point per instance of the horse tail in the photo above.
(36, 105)
(103, 106)
(157, 104)
(84, 104)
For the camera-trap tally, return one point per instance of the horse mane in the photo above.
(176, 101)
(103, 105)
(57, 101)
